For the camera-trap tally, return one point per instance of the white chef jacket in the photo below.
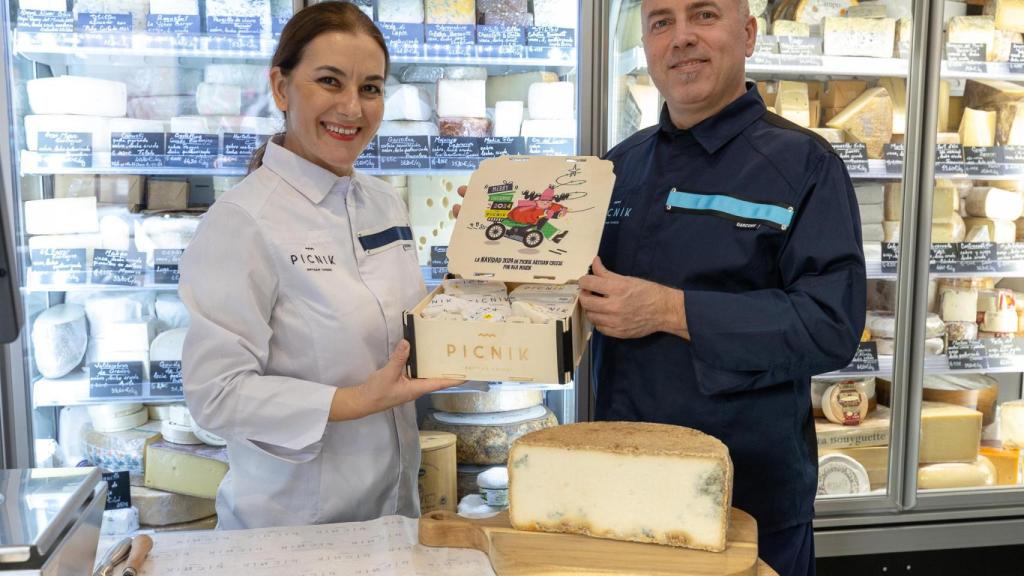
(296, 281)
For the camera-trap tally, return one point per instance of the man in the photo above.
(730, 270)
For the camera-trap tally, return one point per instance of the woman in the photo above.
(296, 282)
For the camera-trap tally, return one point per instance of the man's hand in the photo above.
(626, 307)
(384, 389)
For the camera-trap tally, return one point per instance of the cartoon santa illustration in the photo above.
(537, 212)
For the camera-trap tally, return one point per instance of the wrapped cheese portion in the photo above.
(632, 465)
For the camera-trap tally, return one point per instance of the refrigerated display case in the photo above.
(124, 120)
(934, 443)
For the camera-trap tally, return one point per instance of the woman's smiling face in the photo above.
(333, 99)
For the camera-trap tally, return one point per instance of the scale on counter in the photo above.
(50, 521)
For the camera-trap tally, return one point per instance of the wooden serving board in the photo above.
(520, 553)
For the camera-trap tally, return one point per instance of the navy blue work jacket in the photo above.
(755, 219)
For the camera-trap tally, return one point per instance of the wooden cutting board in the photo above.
(520, 553)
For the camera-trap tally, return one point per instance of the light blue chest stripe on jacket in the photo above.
(778, 215)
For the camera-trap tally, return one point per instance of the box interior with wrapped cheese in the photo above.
(528, 230)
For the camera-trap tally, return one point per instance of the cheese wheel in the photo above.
(122, 422)
(482, 402)
(990, 202)
(208, 437)
(59, 339)
(818, 387)
(934, 327)
(159, 412)
(844, 404)
(951, 231)
(159, 508)
(881, 324)
(487, 438)
(178, 434)
(979, 473)
(102, 411)
(839, 474)
(974, 391)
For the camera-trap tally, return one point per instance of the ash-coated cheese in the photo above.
(552, 101)
(407, 102)
(159, 508)
(990, 202)
(949, 433)
(515, 86)
(872, 37)
(790, 28)
(189, 470)
(1011, 424)
(61, 216)
(487, 438)
(976, 473)
(59, 339)
(639, 482)
(449, 11)
(978, 128)
(972, 30)
(482, 402)
(407, 11)
(1010, 123)
(462, 98)
(508, 118)
(556, 13)
(986, 94)
(77, 95)
(868, 119)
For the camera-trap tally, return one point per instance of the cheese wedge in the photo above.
(978, 128)
(897, 88)
(998, 231)
(949, 433)
(1008, 14)
(1010, 124)
(868, 119)
(632, 481)
(793, 104)
(985, 94)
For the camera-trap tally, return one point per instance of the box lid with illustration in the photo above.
(532, 219)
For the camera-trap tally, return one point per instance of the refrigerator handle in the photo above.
(912, 289)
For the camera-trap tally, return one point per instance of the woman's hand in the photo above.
(457, 207)
(384, 389)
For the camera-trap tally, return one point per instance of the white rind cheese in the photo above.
(1011, 424)
(89, 96)
(171, 312)
(462, 98)
(59, 339)
(407, 102)
(168, 345)
(871, 37)
(631, 481)
(508, 118)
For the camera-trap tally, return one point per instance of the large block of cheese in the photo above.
(989, 202)
(953, 231)
(59, 338)
(1011, 423)
(462, 98)
(515, 86)
(159, 508)
(1008, 14)
(985, 94)
(949, 433)
(978, 128)
(407, 102)
(61, 216)
(872, 37)
(972, 30)
(408, 11)
(77, 95)
(449, 11)
(487, 438)
(552, 101)
(644, 483)
(792, 102)
(978, 472)
(183, 469)
(998, 231)
(868, 119)
(945, 203)
(897, 88)
(1010, 124)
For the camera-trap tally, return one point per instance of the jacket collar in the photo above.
(714, 132)
(312, 181)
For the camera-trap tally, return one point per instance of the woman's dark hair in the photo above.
(308, 24)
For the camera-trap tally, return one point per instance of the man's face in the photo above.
(696, 51)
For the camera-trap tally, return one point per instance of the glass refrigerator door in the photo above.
(839, 69)
(128, 119)
(971, 410)
(471, 81)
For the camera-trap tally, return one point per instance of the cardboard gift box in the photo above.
(525, 220)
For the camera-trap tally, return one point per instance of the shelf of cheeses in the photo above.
(510, 32)
(170, 121)
(175, 28)
(108, 347)
(174, 467)
(88, 238)
(967, 441)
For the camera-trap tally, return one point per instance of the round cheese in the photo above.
(178, 434)
(208, 437)
(839, 474)
(159, 412)
(881, 324)
(818, 387)
(103, 411)
(981, 472)
(59, 339)
(168, 345)
(487, 438)
(481, 402)
(844, 404)
(961, 330)
(159, 508)
(179, 414)
(122, 422)
(493, 478)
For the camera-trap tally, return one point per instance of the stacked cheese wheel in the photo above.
(972, 311)
(882, 326)
(485, 425)
(845, 412)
